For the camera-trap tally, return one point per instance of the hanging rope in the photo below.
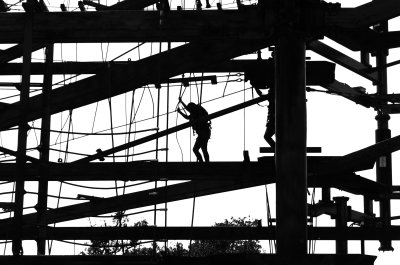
(176, 121)
(50, 244)
(192, 221)
(272, 243)
(244, 117)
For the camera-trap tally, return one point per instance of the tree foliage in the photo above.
(115, 247)
(201, 248)
(197, 248)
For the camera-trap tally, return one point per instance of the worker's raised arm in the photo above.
(183, 103)
(258, 91)
(183, 114)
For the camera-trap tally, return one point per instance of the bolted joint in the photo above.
(307, 17)
(382, 117)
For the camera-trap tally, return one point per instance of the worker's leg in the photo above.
(196, 149)
(204, 137)
(269, 132)
(205, 151)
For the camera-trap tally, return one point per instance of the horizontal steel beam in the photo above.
(193, 188)
(133, 171)
(123, 5)
(317, 71)
(202, 233)
(112, 82)
(365, 39)
(136, 26)
(321, 172)
(248, 259)
(77, 260)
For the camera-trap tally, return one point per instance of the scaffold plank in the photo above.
(136, 26)
(202, 233)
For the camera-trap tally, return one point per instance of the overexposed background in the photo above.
(336, 124)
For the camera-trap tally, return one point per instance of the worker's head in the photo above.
(191, 107)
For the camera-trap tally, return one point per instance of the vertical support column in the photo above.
(368, 210)
(384, 163)
(341, 222)
(291, 156)
(326, 195)
(44, 150)
(22, 135)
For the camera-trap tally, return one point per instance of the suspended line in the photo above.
(106, 188)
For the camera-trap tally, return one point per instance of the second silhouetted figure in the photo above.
(202, 128)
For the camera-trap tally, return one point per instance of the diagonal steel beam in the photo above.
(15, 52)
(153, 69)
(140, 199)
(365, 15)
(168, 131)
(362, 159)
(343, 60)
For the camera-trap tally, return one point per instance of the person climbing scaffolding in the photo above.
(201, 128)
(261, 77)
(270, 126)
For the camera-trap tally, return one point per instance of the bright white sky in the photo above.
(336, 124)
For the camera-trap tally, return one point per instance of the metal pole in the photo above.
(368, 210)
(326, 195)
(384, 163)
(341, 222)
(44, 150)
(22, 135)
(291, 131)
(166, 160)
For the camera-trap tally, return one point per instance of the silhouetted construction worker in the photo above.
(270, 126)
(261, 77)
(202, 129)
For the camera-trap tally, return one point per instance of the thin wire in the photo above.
(191, 223)
(95, 115)
(226, 83)
(149, 118)
(110, 246)
(244, 117)
(130, 214)
(272, 243)
(50, 244)
(56, 196)
(106, 188)
(99, 134)
(176, 123)
(119, 56)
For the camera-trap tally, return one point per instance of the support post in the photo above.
(368, 210)
(384, 163)
(22, 135)
(341, 222)
(291, 130)
(44, 150)
(326, 195)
